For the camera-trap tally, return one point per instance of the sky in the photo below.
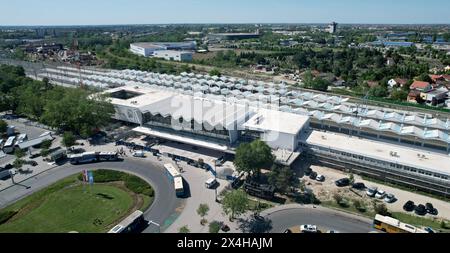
(107, 12)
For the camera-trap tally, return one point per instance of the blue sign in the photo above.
(91, 178)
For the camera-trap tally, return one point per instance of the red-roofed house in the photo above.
(421, 86)
(437, 78)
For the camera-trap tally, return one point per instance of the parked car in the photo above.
(313, 175)
(420, 210)
(390, 198)
(359, 186)
(320, 178)
(343, 182)
(32, 163)
(430, 209)
(225, 228)
(372, 191)
(409, 206)
(380, 194)
(333, 232)
(429, 230)
(308, 229)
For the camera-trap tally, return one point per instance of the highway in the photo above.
(163, 210)
(325, 219)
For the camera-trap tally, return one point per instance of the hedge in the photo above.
(5, 216)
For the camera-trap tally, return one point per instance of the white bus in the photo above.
(108, 156)
(87, 157)
(9, 145)
(129, 224)
(174, 176)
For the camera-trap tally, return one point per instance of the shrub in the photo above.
(45, 152)
(359, 205)
(214, 227)
(133, 183)
(6, 216)
(19, 153)
(380, 209)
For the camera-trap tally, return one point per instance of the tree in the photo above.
(46, 144)
(235, 203)
(203, 210)
(68, 139)
(77, 112)
(400, 95)
(283, 178)
(379, 91)
(252, 157)
(320, 84)
(3, 126)
(18, 163)
(184, 230)
(425, 77)
(380, 208)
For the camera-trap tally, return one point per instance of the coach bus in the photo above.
(108, 156)
(391, 225)
(91, 157)
(174, 176)
(129, 224)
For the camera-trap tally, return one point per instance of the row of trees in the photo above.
(67, 109)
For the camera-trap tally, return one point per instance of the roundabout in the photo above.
(162, 211)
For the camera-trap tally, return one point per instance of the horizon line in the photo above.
(219, 23)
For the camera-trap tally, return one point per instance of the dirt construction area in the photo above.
(325, 191)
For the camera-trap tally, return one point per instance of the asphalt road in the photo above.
(162, 211)
(325, 219)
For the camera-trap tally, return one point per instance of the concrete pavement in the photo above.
(286, 216)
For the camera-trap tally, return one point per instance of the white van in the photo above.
(210, 183)
(139, 154)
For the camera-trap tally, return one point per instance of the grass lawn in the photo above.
(68, 205)
(420, 221)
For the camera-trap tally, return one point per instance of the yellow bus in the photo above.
(391, 225)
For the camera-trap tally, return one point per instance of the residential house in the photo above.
(397, 82)
(435, 97)
(421, 86)
(413, 96)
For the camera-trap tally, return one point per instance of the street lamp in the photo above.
(156, 224)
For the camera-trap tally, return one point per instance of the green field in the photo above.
(69, 205)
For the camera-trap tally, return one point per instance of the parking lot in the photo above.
(325, 190)
(27, 171)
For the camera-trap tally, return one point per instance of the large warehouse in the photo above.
(177, 51)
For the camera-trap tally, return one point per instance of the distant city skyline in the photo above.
(117, 12)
